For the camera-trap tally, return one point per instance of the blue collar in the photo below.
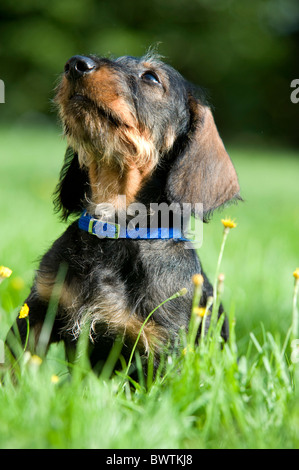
(110, 230)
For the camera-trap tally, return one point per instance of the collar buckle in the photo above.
(103, 229)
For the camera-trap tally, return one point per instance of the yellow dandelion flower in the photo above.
(228, 223)
(188, 349)
(296, 273)
(36, 360)
(17, 283)
(197, 280)
(199, 311)
(182, 292)
(54, 379)
(4, 272)
(24, 312)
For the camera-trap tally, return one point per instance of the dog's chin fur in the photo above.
(121, 150)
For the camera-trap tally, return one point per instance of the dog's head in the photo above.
(125, 119)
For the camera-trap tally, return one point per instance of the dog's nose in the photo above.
(77, 66)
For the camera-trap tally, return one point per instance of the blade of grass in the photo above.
(51, 312)
(112, 359)
(295, 320)
(174, 296)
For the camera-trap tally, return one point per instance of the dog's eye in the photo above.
(150, 76)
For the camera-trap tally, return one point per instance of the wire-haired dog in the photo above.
(134, 128)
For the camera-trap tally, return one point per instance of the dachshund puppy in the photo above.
(137, 133)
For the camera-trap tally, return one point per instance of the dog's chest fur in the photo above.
(115, 284)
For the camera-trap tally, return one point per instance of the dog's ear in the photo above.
(203, 172)
(73, 186)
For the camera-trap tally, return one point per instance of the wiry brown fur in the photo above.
(135, 128)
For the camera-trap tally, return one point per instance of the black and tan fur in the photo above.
(136, 128)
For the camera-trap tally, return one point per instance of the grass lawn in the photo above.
(244, 396)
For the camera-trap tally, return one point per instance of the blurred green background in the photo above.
(244, 53)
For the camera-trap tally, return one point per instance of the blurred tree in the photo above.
(244, 53)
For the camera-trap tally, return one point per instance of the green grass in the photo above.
(243, 396)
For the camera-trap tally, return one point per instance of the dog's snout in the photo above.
(77, 66)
